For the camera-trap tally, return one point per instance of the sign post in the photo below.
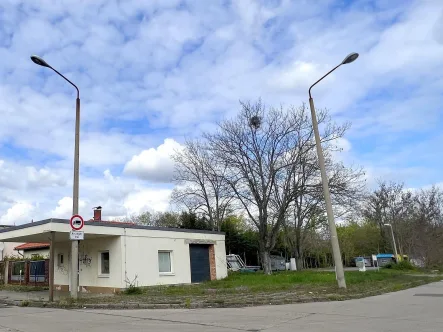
(76, 234)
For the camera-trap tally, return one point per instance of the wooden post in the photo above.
(51, 268)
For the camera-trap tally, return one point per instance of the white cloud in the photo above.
(64, 208)
(343, 144)
(19, 213)
(153, 69)
(44, 177)
(154, 164)
(154, 200)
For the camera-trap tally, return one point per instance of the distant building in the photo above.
(383, 259)
(7, 248)
(31, 250)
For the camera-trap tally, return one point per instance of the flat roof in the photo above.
(385, 255)
(109, 224)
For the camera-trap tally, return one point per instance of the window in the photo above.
(104, 262)
(18, 271)
(60, 259)
(164, 262)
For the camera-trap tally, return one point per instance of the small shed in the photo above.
(278, 263)
(383, 259)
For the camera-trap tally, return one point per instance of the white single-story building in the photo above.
(115, 254)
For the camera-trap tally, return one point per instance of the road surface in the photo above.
(417, 309)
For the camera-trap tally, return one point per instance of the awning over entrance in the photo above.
(40, 231)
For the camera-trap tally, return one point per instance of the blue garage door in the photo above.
(199, 255)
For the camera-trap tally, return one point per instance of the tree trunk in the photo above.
(266, 260)
(299, 263)
(298, 256)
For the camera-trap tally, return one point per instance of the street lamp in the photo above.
(334, 240)
(393, 240)
(74, 244)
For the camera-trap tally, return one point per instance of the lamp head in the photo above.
(350, 58)
(39, 61)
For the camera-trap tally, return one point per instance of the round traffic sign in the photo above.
(77, 222)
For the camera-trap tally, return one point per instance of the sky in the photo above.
(153, 73)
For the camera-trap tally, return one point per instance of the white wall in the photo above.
(140, 252)
(89, 269)
(7, 249)
(220, 260)
(61, 272)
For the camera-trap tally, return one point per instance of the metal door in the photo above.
(199, 256)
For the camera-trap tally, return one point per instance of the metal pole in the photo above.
(74, 244)
(340, 275)
(393, 241)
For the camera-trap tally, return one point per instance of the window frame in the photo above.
(60, 259)
(100, 264)
(171, 264)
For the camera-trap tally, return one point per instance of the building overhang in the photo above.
(40, 231)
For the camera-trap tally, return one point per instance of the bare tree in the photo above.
(307, 211)
(391, 204)
(262, 151)
(201, 185)
(425, 241)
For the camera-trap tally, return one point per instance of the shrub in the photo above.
(24, 303)
(133, 290)
(401, 266)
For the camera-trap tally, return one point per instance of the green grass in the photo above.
(281, 281)
(240, 289)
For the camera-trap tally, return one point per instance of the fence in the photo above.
(2, 272)
(29, 272)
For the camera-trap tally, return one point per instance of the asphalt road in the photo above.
(418, 309)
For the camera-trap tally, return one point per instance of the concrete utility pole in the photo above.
(51, 267)
(339, 272)
(393, 241)
(74, 244)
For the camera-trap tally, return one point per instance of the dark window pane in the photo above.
(17, 266)
(105, 263)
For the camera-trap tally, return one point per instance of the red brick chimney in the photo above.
(97, 213)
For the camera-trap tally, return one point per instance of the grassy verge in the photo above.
(247, 289)
(243, 289)
(21, 288)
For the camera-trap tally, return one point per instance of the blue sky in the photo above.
(154, 72)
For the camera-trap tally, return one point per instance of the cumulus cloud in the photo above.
(154, 200)
(18, 213)
(154, 164)
(64, 208)
(154, 69)
(44, 177)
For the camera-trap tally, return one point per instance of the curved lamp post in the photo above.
(74, 244)
(340, 275)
